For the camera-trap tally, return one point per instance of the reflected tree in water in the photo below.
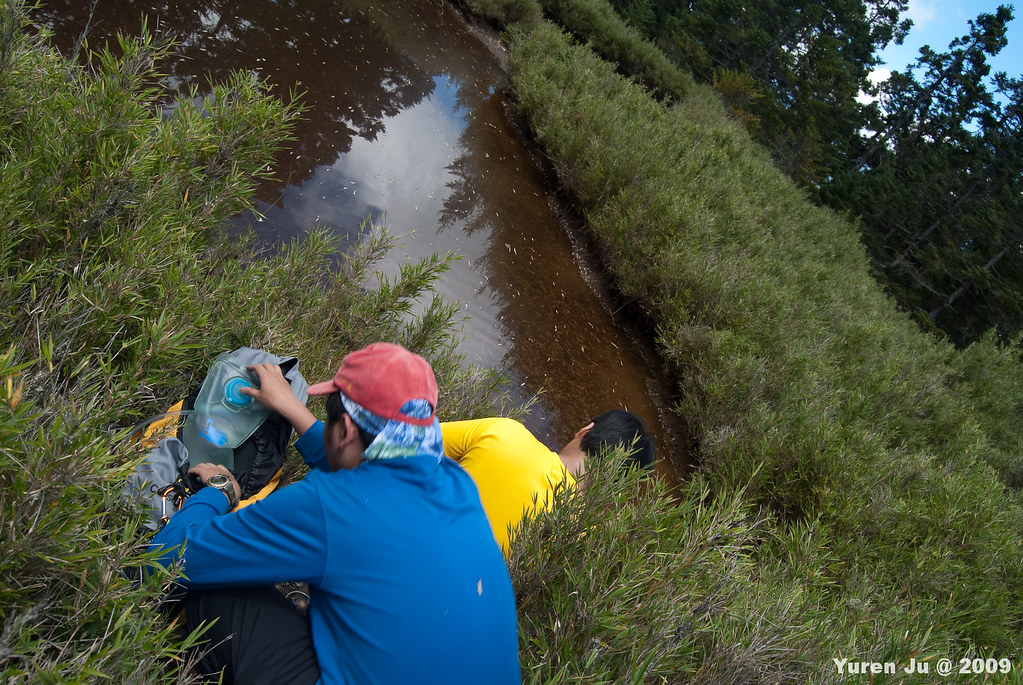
(348, 75)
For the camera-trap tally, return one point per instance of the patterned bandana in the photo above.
(396, 439)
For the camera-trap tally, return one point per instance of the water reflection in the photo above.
(347, 73)
(407, 120)
(401, 171)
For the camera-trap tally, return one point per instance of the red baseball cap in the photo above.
(381, 378)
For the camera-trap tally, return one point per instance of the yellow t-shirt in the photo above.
(510, 467)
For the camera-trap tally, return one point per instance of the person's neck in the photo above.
(574, 461)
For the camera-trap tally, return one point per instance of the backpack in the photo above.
(161, 481)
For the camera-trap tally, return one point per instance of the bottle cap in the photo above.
(233, 394)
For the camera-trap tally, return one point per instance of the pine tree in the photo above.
(938, 186)
(807, 61)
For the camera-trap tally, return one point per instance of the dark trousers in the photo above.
(259, 637)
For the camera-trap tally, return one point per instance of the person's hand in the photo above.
(275, 394)
(205, 470)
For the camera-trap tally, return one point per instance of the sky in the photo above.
(938, 22)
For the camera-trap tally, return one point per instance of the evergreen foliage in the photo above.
(594, 22)
(805, 62)
(936, 179)
(939, 187)
(807, 389)
(620, 44)
(626, 583)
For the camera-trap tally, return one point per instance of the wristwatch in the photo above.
(221, 482)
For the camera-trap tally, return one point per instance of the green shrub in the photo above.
(504, 13)
(625, 584)
(991, 375)
(804, 384)
(596, 22)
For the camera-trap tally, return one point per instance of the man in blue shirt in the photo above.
(407, 583)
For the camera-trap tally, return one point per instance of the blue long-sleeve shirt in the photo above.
(407, 583)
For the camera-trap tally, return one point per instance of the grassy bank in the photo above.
(885, 462)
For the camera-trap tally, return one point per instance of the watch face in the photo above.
(219, 481)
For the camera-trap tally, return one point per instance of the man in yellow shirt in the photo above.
(511, 467)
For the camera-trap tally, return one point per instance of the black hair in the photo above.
(618, 428)
(336, 409)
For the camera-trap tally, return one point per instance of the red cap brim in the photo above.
(324, 388)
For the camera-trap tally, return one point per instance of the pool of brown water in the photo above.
(408, 125)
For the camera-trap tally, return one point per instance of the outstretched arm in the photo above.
(274, 392)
